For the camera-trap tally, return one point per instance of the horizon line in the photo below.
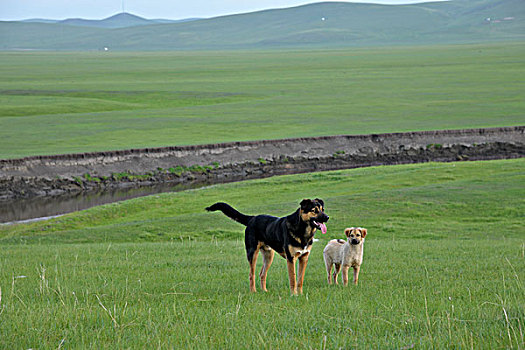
(364, 2)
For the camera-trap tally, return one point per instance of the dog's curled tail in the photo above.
(230, 212)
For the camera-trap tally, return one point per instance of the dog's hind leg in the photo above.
(268, 255)
(337, 268)
(329, 271)
(252, 260)
(328, 264)
(252, 250)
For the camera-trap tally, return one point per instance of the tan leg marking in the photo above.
(253, 263)
(303, 261)
(291, 275)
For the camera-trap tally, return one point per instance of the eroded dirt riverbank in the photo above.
(73, 174)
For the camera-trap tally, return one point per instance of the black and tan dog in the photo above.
(290, 236)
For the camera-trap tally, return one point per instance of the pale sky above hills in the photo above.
(98, 9)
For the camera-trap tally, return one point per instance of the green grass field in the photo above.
(59, 102)
(444, 267)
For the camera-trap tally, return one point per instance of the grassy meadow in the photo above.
(65, 102)
(444, 262)
(444, 267)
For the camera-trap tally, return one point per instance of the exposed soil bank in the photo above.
(74, 173)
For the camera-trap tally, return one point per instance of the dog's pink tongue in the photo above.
(323, 228)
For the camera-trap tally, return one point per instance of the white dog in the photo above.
(345, 254)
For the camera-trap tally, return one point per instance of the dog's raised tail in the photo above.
(230, 212)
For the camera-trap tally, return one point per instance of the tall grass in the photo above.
(443, 267)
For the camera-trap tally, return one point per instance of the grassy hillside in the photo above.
(443, 267)
(463, 195)
(78, 102)
(493, 19)
(324, 24)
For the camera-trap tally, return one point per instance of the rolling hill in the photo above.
(121, 20)
(326, 24)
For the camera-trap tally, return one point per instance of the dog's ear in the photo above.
(347, 231)
(320, 201)
(305, 203)
(363, 232)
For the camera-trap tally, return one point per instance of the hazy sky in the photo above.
(169, 9)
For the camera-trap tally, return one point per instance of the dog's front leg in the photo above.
(303, 261)
(345, 274)
(291, 275)
(356, 273)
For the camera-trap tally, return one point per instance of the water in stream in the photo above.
(46, 207)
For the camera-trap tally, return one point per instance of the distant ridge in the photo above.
(120, 20)
(39, 20)
(326, 24)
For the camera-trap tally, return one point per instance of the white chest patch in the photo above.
(301, 252)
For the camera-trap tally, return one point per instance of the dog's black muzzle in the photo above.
(318, 222)
(322, 217)
(354, 241)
